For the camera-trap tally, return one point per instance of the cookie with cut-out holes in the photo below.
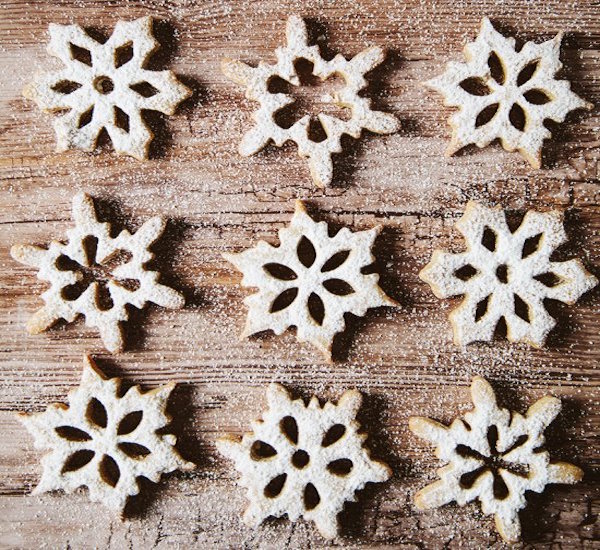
(309, 281)
(105, 86)
(266, 129)
(104, 439)
(303, 460)
(493, 455)
(506, 94)
(83, 281)
(506, 274)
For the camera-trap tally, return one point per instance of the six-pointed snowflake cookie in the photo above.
(507, 94)
(83, 281)
(103, 440)
(505, 274)
(310, 281)
(303, 460)
(257, 80)
(493, 455)
(105, 86)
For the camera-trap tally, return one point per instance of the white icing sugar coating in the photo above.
(279, 271)
(474, 87)
(99, 95)
(493, 455)
(75, 433)
(58, 305)
(318, 449)
(510, 276)
(256, 80)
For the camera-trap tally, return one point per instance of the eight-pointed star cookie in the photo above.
(493, 455)
(266, 129)
(84, 279)
(506, 274)
(507, 94)
(303, 460)
(105, 86)
(104, 439)
(309, 281)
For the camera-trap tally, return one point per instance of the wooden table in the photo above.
(402, 359)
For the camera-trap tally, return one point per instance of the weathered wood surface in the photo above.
(402, 359)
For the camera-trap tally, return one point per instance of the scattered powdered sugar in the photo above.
(402, 360)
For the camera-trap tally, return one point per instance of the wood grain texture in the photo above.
(402, 359)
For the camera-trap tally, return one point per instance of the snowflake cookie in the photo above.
(507, 94)
(493, 455)
(105, 86)
(96, 275)
(506, 274)
(310, 281)
(303, 460)
(257, 80)
(105, 440)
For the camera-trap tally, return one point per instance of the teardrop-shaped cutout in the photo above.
(280, 271)
(316, 308)
(71, 433)
(261, 450)
(517, 117)
(496, 68)
(285, 299)
(86, 117)
(123, 54)
(315, 131)
(145, 89)
(527, 72)
(500, 488)
(548, 279)
(486, 115)
(340, 467)
(488, 238)
(537, 97)
(311, 497)
(465, 272)
(81, 54)
(96, 413)
(275, 486)
(289, 428)
(121, 119)
(134, 450)
(333, 434)
(338, 287)
(475, 86)
(66, 87)
(109, 471)
(130, 422)
(306, 252)
(77, 460)
(521, 308)
(531, 245)
(482, 308)
(335, 261)
(468, 480)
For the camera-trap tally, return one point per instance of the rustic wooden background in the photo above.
(402, 359)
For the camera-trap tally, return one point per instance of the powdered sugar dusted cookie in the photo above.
(256, 80)
(105, 86)
(104, 440)
(80, 274)
(507, 94)
(493, 455)
(505, 274)
(310, 281)
(303, 460)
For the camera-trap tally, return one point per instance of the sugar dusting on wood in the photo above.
(402, 359)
